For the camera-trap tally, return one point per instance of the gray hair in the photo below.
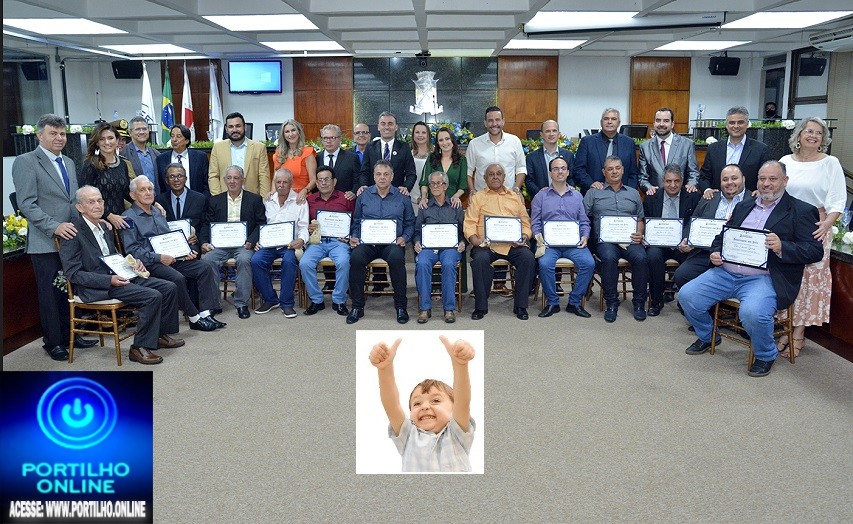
(611, 110)
(175, 165)
(387, 113)
(333, 128)
(613, 158)
(283, 172)
(674, 168)
(238, 169)
(80, 191)
(134, 184)
(49, 120)
(443, 177)
(738, 109)
(794, 139)
(138, 119)
(770, 163)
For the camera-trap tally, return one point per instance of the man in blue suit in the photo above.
(193, 161)
(538, 176)
(593, 149)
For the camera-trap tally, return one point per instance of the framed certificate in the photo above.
(439, 236)
(378, 231)
(616, 229)
(181, 225)
(228, 234)
(173, 244)
(503, 229)
(703, 231)
(744, 247)
(561, 233)
(118, 266)
(664, 232)
(280, 234)
(334, 224)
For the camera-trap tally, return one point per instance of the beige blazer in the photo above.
(256, 167)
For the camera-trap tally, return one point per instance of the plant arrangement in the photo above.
(28, 129)
(14, 232)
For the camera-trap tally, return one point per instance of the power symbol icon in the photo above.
(75, 421)
(77, 413)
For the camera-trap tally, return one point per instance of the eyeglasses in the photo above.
(361, 133)
(233, 178)
(176, 177)
(324, 180)
(559, 168)
(812, 132)
(436, 184)
(329, 138)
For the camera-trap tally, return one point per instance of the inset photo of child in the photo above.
(419, 401)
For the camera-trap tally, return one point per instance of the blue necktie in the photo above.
(387, 155)
(64, 174)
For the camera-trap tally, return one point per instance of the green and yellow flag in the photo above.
(167, 118)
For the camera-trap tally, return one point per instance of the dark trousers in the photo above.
(635, 254)
(693, 266)
(206, 280)
(157, 303)
(482, 274)
(657, 257)
(53, 303)
(362, 255)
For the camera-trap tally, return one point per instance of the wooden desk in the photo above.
(21, 323)
(837, 336)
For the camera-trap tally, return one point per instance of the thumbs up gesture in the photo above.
(382, 355)
(460, 351)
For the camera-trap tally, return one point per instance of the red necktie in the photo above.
(663, 152)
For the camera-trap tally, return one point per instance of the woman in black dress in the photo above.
(105, 169)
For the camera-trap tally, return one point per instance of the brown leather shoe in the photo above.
(143, 355)
(424, 315)
(450, 317)
(166, 341)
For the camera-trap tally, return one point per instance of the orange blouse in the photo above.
(296, 165)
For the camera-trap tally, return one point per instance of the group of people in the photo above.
(371, 202)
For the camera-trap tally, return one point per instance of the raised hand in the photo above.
(382, 355)
(461, 352)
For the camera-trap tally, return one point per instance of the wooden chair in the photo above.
(436, 277)
(726, 314)
(323, 265)
(372, 274)
(668, 280)
(567, 278)
(622, 279)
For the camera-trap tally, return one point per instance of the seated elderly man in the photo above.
(83, 266)
(327, 198)
(498, 201)
(761, 292)
(148, 221)
(281, 206)
(438, 211)
(234, 205)
(560, 202)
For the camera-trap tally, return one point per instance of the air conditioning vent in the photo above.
(837, 40)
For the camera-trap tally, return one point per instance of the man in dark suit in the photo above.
(235, 205)
(761, 292)
(666, 147)
(155, 299)
(346, 164)
(673, 202)
(593, 149)
(45, 182)
(392, 150)
(182, 203)
(538, 176)
(181, 154)
(748, 154)
(142, 157)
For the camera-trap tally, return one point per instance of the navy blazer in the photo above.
(589, 160)
(752, 157)
(131, 152)
(402, 162)
(794, 222)
(252, 212)
(347, 169)
(199, 167)
(538, 175)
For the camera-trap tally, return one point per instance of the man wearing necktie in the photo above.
(667, 147)
(346, 163)
(182, 203)
(388, 148)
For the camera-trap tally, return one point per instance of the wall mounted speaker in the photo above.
(724, 65)
(34, 70)
(127, 69)
(812, 66)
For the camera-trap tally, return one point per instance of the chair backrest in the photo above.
(533, 134)
(13, 198)
(635, 130)
(249, 127)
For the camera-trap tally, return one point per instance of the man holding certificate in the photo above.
(498, 227)
(617, 214)
(84, 262)
(286, 231)
(183, 205)
(764, 276)
(231, 229)
(383, 221)
(438, 238)
(558, 214)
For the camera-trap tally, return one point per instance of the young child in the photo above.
(439, 432)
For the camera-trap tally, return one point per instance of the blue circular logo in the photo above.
(77, 413)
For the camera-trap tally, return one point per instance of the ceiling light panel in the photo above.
(61, 26)
(148, 49)
(701, 45)
(785, 20)
(257, 23)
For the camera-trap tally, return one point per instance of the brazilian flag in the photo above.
(167, 118)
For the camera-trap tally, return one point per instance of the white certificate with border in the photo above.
(561, 233)
(118, 266)
(173, 244)
(280, 234)
(228, 234)
(744, 247)
(616, 229)
(703, 231)
(378, 231)
(664, 232)
(181, 225)
(439, 236)
(502, 229)
(334, 224)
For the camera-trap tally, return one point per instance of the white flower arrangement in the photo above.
(710, 140)
(788, 124)
(847, 238)
(835, 230)
(76, 128)
(27, 129)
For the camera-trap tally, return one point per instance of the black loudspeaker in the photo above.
(127, 69)
(812, 66)
(34, 70)
(724, 65)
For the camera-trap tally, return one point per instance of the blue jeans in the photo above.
(262, 262)
(585, 267)
(339, 253)
(423, 277)
(757, 306)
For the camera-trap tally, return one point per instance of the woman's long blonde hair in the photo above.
(284, 152)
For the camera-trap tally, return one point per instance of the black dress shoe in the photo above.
(639, 313)
(217, 323)
(610, 313)
(699, 347)
(243, 312)
(203, 324)
(57, 353)
(355, 314)
(548, 311)
(578, 310)
(654, 309)
(760, 368)
(215, 311)
(315, 307)
(341, 309)
(521, 313)
(402, 315)
(478, 314)
(80, 342)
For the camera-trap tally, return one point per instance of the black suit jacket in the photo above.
(81, 262)
(538, 175)
(401, 160)
(199, 167)
(707, 209)
(252, 212)
(752, 157)
(347, 169)
(653, 205)
(194, 208)
(794, 222)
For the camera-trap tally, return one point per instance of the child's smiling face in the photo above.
(431, 410)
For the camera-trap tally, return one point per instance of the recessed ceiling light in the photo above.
(701, 45)
(527, 43)
(785, 20)
(571, 20)
(148, 49)
(309, 45)
(263, 22)
(61, 26)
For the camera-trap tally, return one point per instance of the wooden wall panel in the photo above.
(199, 76)
(322, 94)
(660, 82)
(527, 91)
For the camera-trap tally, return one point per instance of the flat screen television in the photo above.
(254, 76)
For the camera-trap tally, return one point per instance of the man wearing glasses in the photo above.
(361, 136)
(183, 203)
(346, 164)
(142, 157)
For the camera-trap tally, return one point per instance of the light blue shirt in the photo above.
(724, 208)
(428, 452)
(733, 151)
(238, 153)
(182, 198)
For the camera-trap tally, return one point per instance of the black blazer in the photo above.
(653, 205)
(347, 169)
(794, 222)
(401, 160)
(199, 167)
(81, 262)
(707, 209)
(252, 212)
(194, 208)
(752, 157)
(538, 175)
